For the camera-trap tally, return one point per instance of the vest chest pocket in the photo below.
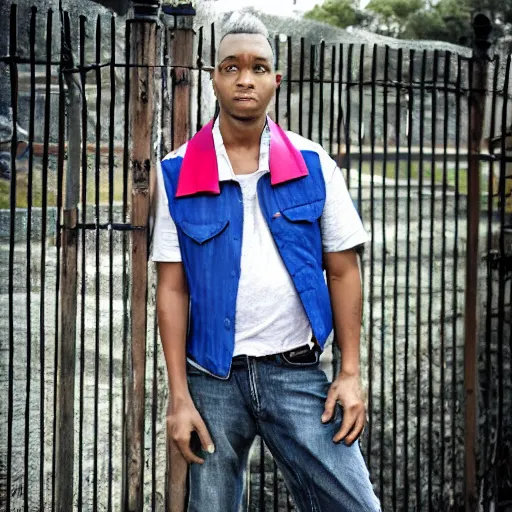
(298, 226)
(305, 213)
(202, 233)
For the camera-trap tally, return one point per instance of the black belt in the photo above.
(287, 355)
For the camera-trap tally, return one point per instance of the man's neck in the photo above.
(236, 134)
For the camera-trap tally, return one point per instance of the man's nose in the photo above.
(245, 78)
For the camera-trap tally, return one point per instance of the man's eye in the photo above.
(260, 68)
(230, 68)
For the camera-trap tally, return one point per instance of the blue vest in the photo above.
(210, 235)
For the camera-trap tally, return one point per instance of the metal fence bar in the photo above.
(372, 267)
(289, 71)
(383, 363)
(410, 107)
(83, 262)
(200, 36)
(42, 297)
(454, 397)
(394, 391)
(500, 487)
(154, 413)
(507, 257)
(311, 90)
(13, 72)
(340, 99)
(348, 110)
(331, 101)
(503, 260)
(301, 85)
(321, 94)
(278, 90)
(360, 131)
(442, 334)
(111, 163)
(262, 476)
(275, 488)
(431, 279)
(125, 279)
(487, 395)
(418, 287)
(97, 184)
(59, 238)
(28, 270)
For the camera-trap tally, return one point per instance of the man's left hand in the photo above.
(347, 391)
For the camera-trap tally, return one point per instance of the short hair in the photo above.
(243, 22)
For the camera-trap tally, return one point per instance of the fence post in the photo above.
(65, 410)
(181, 59)
(477, 99)
(143, 42)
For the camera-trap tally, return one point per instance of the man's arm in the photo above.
(345, 290)
(344, 282)
(172, 310)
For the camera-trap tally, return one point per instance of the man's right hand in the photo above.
(182, 420)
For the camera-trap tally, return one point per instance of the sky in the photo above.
(279, 7)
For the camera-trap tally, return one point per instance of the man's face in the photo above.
(244, 79)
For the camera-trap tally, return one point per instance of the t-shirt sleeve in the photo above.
(341, 225)
(166, 247)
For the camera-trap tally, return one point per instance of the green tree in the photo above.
(441, 20)
(448, 20)
(391, 17)
(340, 13)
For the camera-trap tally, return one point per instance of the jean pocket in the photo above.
(193, 371)
(309, 360)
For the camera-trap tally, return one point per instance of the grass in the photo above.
(22, 186)
(415, 171)
(104, 188)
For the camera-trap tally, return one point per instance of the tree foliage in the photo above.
(340, 13)
(442, 20)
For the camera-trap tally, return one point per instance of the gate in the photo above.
(422, 133)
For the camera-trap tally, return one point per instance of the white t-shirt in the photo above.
(270, 317)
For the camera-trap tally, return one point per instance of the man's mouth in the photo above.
(245, 98)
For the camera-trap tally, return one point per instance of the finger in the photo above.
(204, 436)
(349, 419)
(188, 454)
(357, 430)
(330, 404)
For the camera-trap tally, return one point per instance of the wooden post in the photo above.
(477, 99)
(181, 50)
(141, 119)
(65, 410)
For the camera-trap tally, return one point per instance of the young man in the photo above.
(248, 218)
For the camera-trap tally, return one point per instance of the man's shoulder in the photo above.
(177, 153)
(302, 144)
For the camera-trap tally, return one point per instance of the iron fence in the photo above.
(83, 408)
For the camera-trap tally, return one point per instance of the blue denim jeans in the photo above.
(284, 405)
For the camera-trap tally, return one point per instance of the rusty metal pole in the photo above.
(66, 351)
(143, 51)
(477, 99)
(181, 50)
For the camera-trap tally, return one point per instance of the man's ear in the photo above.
(279, 78)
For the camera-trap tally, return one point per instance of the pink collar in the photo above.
(199, 171)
